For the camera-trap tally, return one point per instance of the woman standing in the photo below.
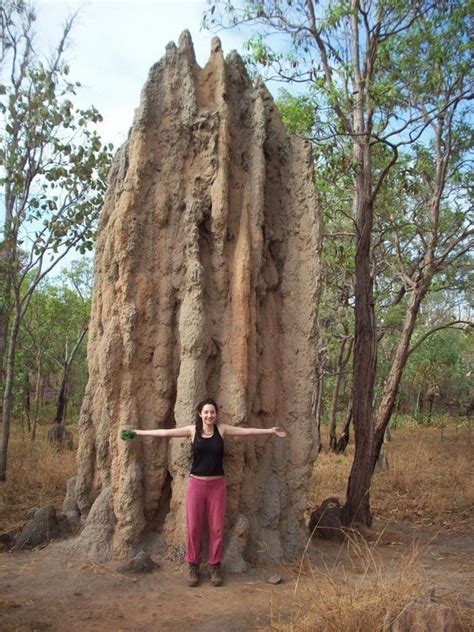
(206, 488)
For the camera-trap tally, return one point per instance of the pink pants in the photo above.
(205, 500)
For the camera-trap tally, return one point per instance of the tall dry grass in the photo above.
(36, 475)
(428, 484)
(353, 595)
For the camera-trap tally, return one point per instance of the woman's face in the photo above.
(208, 414)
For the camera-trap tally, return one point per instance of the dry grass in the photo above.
(36, 476)
(353, 595)
(357, 592)
(428, 483)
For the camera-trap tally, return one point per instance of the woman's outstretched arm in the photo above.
(184, 431)
(239, 431)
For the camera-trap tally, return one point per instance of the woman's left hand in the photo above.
(278, 431)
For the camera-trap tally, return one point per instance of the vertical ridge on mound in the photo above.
(207, 279)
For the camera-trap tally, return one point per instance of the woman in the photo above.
(206, 489)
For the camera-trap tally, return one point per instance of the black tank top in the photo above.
(208, 455)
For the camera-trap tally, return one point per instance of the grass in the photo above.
(426, 465)
(359, 590)
(36, 476)
(429, 486)
(351, 586)
(354, 594)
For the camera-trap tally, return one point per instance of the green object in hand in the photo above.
(128, 435)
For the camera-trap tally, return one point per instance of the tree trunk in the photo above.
(394, 377)
(317, 409)
(7, 267)
(27, 402)
(37, 401)
(319, 405)
(419, 401)
(430, 408)
(341, 444)
(342, 361)
(4, 318)
(357, 506)
(8, 395)
(62, 399)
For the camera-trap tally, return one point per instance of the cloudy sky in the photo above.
(114, 43)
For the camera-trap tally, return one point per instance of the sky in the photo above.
(114, 43)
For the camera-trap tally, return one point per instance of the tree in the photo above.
(37, 335)
(54, 177)
(51, 335)
(77, 310)
(360, 56)
(443, 360)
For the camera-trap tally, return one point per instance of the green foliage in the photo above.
(444, 359)
(53, 179)
(128, 435)
(298, 113)
(414, 60)
(57, 316)
(55, 165)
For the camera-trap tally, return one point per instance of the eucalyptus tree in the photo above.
(53, 178)
(387, 74)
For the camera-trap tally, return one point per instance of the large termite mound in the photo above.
(206, 284)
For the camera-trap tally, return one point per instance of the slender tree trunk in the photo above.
(430, 408)
(62, 400)
(319, 406)
(419, 401)
(37, 401)
(7, 258)
(8, 395)
(357, 506)
(4, 319)
(341, 445)
(335, 397)
(392, 383)
(27, 402)
(342, 361)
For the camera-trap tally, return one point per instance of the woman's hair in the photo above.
(200, 406)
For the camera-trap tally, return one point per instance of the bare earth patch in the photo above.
(42, 590)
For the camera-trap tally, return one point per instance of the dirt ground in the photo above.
(43, 591)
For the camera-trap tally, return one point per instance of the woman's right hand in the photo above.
(128, 435)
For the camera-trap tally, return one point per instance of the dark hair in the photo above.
(200, 406)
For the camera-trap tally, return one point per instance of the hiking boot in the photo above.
(216, 577)
(193, 577)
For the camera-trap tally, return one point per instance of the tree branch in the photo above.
(450, 325)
